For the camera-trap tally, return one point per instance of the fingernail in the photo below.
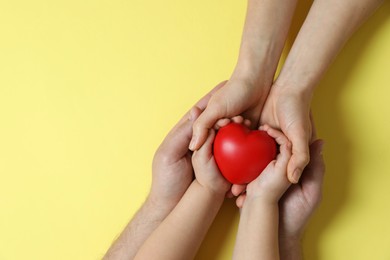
(296, 175)
(193, 142)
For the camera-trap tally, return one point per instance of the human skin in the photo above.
(180, 235)
(257, 236)
(266, 27)
(285, 105)
(328, 26)
(172, 174)
(298, 203)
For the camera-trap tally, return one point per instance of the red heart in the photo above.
(242, 154)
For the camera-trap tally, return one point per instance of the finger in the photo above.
(175, 144)
(221, 123)
(237, 189)
(205, 121)
(229, 194)
(240, 201)
(202, 103)
(279, 137)
(284, 154)
(238, 119)
(300, 157)
(247, 122)
(313, 175)
(206, 151)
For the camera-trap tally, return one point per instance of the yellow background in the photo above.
(88, 89)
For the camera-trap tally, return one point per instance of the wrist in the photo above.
(214, 193)
(292, 80)
(262, 201)
(257, 65)
(255, 74)
(158, 208)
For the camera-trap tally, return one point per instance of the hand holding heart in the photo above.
(206, 170)
(242, 155)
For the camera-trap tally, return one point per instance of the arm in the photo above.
(266, 26)
(179, 236)
(298, 203)
(327, 27)
(265, 31)
(329, 24)
(137, 231)
(290, 249)
(172, 174)
(257, 236)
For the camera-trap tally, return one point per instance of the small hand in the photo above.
(272, 182)
(172, 168)
(300, 201)
(206, 169)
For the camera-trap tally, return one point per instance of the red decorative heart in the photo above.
(242, 154)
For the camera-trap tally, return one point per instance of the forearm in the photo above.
(257, 236)
(145, 221)
(290, 249)
(266, 27)
(179, 236)
(329, 24)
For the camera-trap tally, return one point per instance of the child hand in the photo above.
(272, 182)
(206, 169)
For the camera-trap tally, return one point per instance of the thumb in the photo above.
(175, 144)
(204, 123)
(299, 159)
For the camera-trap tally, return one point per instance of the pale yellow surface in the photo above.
(88, 89)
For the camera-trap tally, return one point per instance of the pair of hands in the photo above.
(173, 172)
(283, 108)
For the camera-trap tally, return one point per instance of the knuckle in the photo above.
(161, 158)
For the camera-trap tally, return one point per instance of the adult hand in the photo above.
(238, 97)
(289, 110)
(172, 174)
(300, 200)
(299, 203)
(172, 168)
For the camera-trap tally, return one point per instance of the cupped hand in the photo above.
(206, 169)
(289, 110)
(238, 97)
(172, 167)
(271, 184)
(300, 201)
